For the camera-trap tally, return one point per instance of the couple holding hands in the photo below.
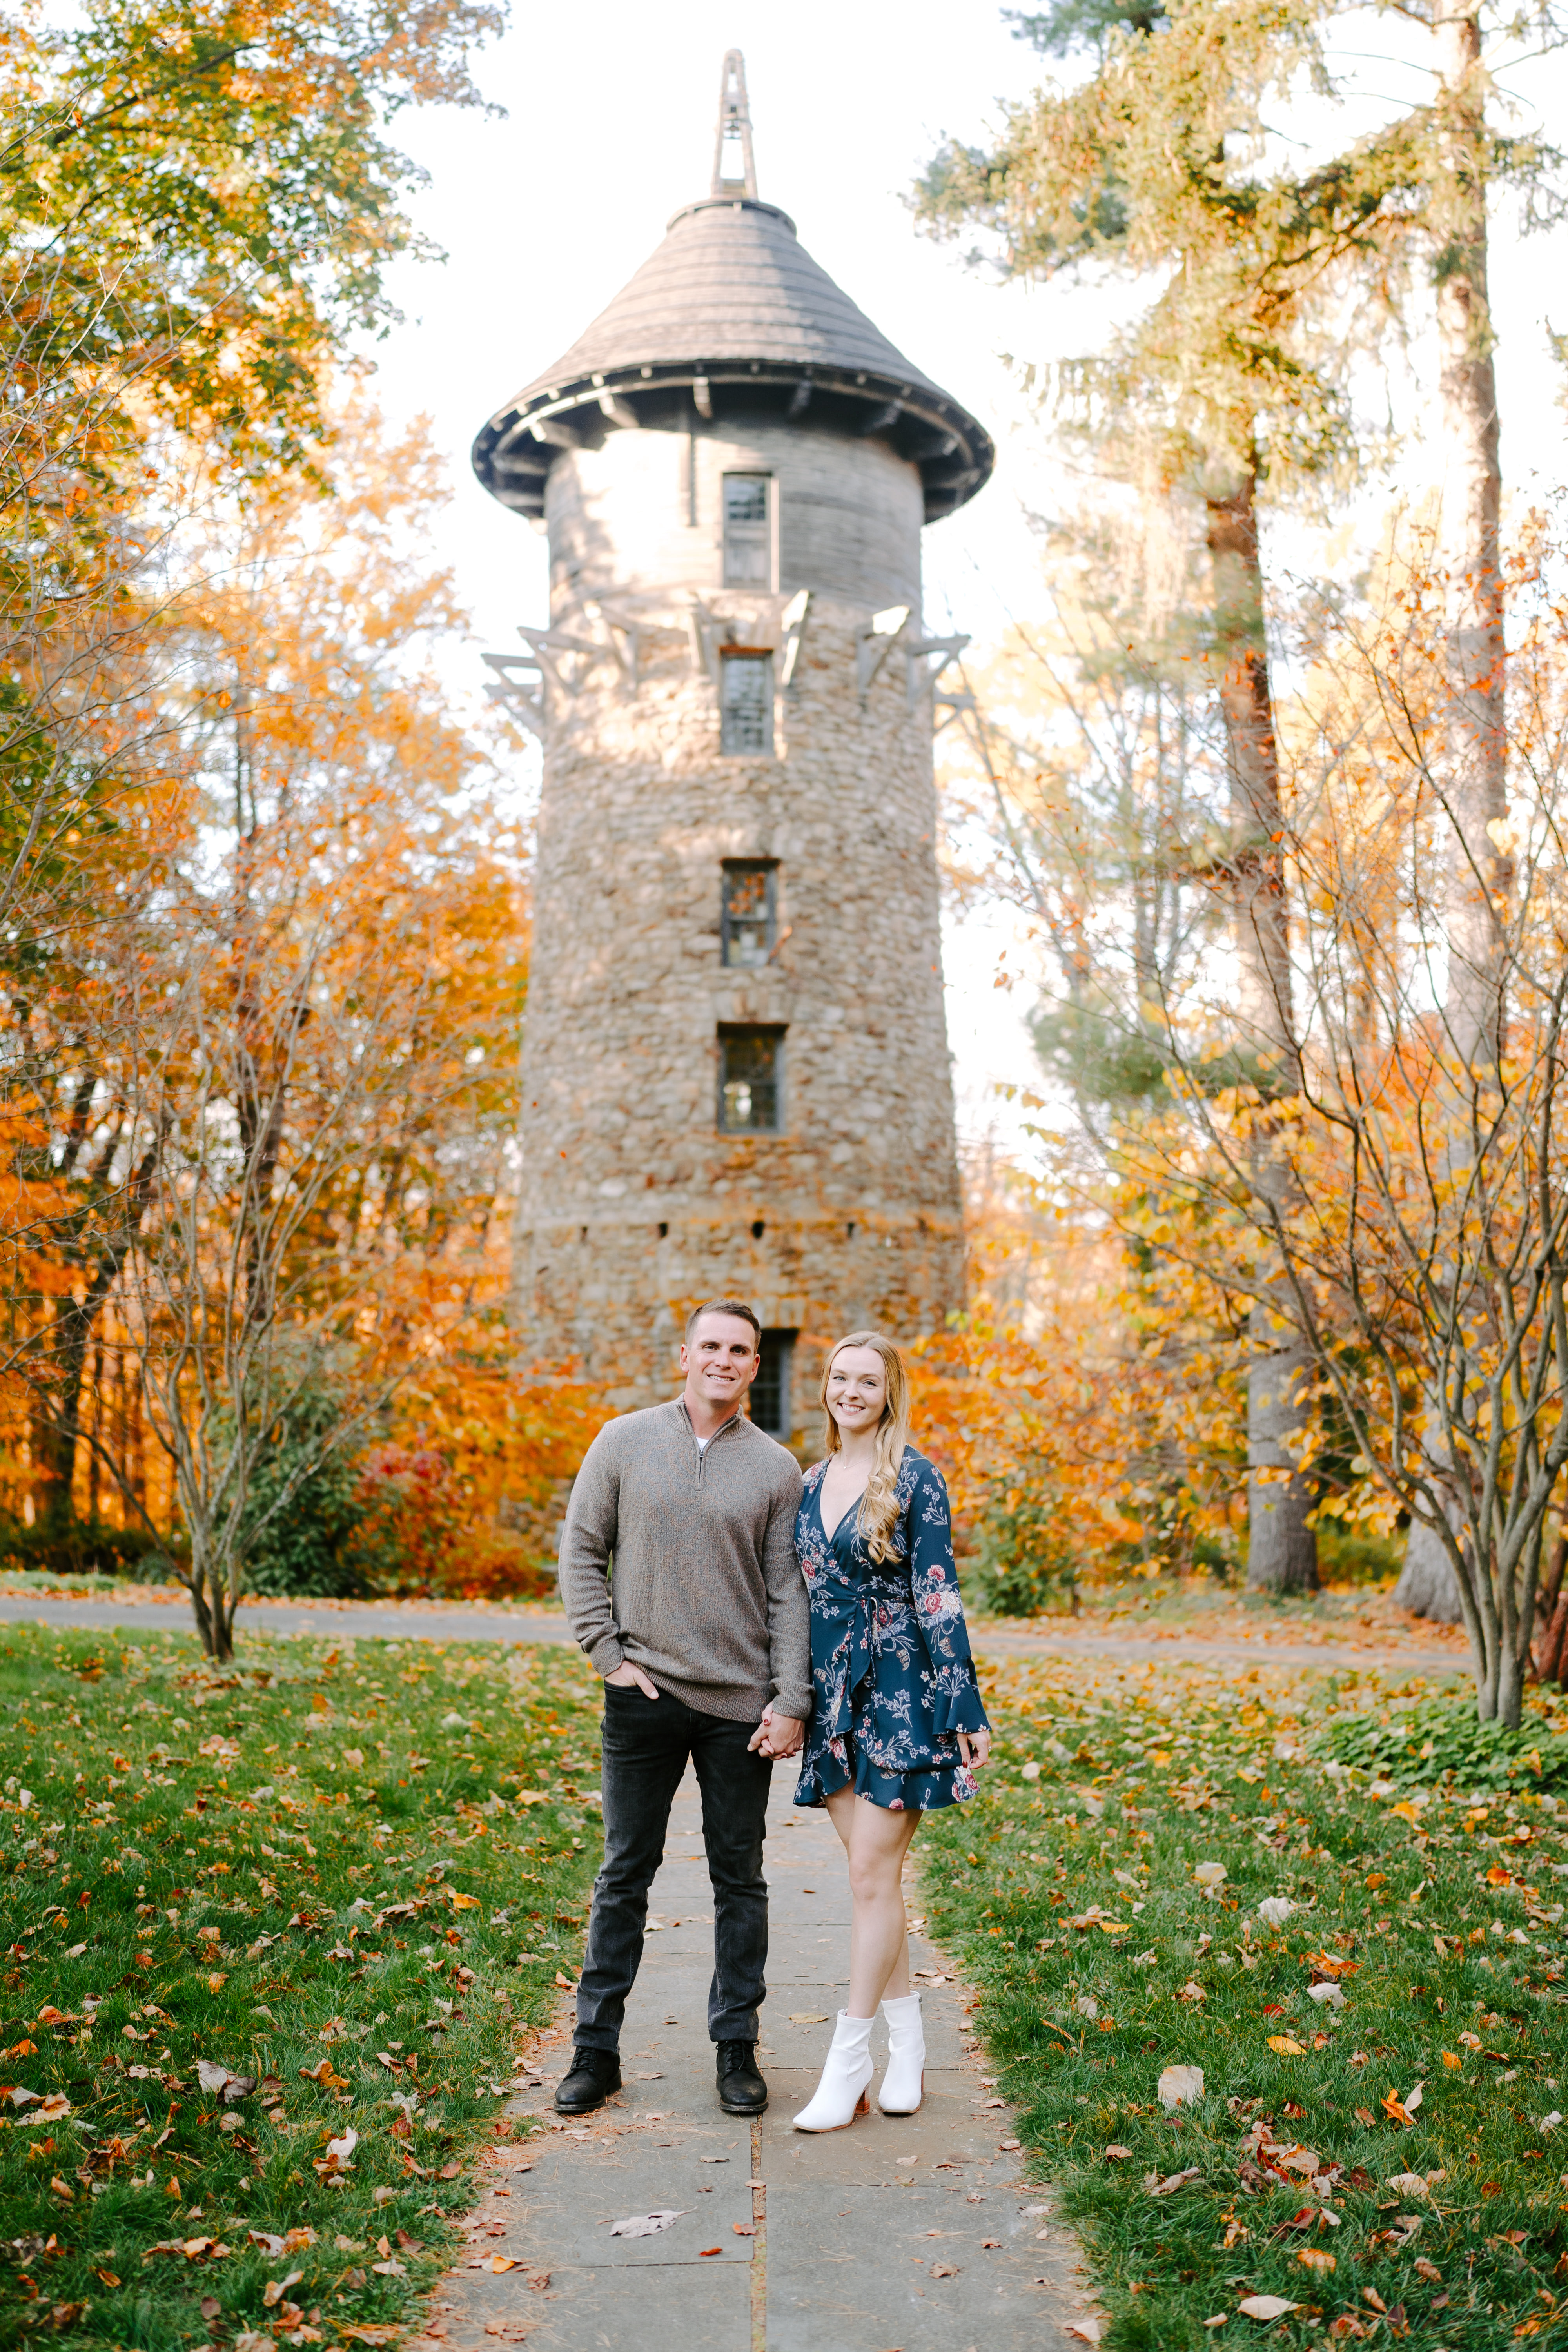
(740, 1614)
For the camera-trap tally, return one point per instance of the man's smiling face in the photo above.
(720, 1360)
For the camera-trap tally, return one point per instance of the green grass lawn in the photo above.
(271, 1934)
(1072, 1893)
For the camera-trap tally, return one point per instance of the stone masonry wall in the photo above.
(633, 1204)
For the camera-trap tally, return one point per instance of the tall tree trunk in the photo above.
(1427, 1586)
(58, 1424)
(1283, 1550)
(94, 1462)
(1479, 875)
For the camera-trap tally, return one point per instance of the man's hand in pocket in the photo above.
(628, 1676)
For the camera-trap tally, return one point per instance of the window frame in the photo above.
(784, 1345)
(769, 868)
(763, 535)
(732, 1031)
(761, 656)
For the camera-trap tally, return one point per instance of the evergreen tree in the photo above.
(1156, 164)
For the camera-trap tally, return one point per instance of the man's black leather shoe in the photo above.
(594, 2075)
(741, 2090)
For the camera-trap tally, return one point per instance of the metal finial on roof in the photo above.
(734, 131)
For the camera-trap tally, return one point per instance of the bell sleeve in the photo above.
(939, 1607)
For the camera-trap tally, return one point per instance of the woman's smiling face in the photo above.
(856, 1390)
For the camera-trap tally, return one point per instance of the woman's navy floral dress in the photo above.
(890, 1655)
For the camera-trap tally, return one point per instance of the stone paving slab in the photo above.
(851, 2227)
(592, 2308)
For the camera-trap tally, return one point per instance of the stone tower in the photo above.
(735, 1070)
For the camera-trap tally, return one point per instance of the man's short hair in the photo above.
(736, 1307)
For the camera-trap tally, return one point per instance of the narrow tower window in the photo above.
(770, 1402)
(747, 716)
(750, 925)
(748, 531)
(751, 1081)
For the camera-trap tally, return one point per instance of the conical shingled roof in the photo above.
(732, 281)
(731, 307)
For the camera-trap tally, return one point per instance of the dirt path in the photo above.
(421, 1621)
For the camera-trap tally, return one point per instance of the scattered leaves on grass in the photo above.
(207, 1984)
(1303, 1848)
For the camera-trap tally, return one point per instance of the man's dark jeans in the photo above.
(645, 1746)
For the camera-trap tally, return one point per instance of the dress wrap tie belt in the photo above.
(851, 1605)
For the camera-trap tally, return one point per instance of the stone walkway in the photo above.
(386, 1620)
(912, 2235)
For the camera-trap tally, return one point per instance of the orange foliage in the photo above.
(294, 1058)
(1086, 1388)
(468, 1498)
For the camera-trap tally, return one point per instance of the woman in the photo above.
(897, 1726)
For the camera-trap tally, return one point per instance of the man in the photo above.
(704, 1642)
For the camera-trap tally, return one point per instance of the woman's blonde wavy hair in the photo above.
(879, 1511)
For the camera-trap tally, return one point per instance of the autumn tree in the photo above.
(1421, 1206)
(1464, 158)
(198, 207)
(291, 1061)
(1085, 1408)
(196, 210)
(1155, 166)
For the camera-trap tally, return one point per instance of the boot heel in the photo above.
(844, 2089)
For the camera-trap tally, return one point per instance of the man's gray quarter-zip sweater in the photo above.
(681, 1558)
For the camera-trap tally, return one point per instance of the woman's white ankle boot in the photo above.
(903, 2084)
(840, 2095)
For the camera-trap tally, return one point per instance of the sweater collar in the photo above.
(680, 1406)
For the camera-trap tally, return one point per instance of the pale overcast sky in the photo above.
(609, 129)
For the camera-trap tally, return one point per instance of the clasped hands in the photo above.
(775, 1736)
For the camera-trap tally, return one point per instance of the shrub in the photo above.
(88, 1548)
(419, 1532)
(1024, 1564)
(1368, 1560)
(1441, 1737)
(304, 1544)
